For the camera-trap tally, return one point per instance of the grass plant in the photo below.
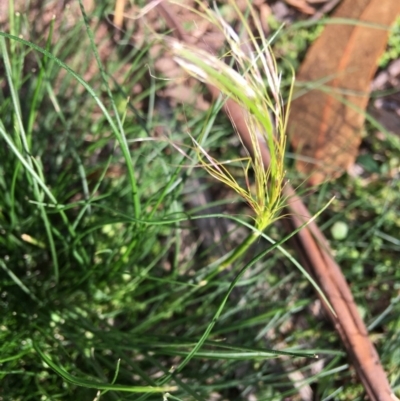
(263, 106)
(103, 289)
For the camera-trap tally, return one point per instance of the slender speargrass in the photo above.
(263, 107)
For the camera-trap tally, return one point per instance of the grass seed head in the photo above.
(262, 103)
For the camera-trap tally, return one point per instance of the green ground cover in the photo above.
(107, 287)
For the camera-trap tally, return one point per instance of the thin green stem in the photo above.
(119, 131)
(240, 250)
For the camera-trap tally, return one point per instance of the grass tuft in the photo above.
(107, 290)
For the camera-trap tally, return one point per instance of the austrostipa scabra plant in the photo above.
(254, 82)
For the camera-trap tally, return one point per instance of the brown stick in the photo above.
(319, 261)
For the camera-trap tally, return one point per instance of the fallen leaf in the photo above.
(325, 123)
